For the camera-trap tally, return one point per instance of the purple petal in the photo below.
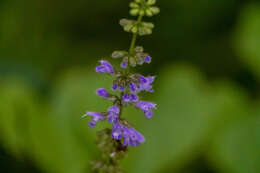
(148, 114)
(134, 98)
(126, 98)
(121, 88)
(147, 59)
(113, 114)
(114, 87)
(132, 137)
(146, 107)
(117, 131)
(145, 83)
(102, 92)
(124, 64)
(132, 87)
(105, 67)
(96, 117)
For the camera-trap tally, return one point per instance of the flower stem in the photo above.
(132, 45)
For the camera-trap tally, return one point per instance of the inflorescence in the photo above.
(128, 84)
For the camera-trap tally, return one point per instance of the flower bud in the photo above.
(134, 11)
(151, 2)
(117, 54)
(155, 10)
(148, 13)
(134, 5)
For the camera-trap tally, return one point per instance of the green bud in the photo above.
(134, 5)
(149, 31)
(141, 12)
(134, 11)
(148, 12)
(141, 31)
(139, 49)
(118, 54)
(144, 31)
(134, 29)
(151, 2)
(148, 25)
(128, 28)
(155, 10)
(132, 61)
(124, 22)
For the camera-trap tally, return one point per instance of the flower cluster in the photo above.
(127, 84)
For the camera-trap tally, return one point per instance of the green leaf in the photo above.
(28, 128)
(16, 104)
(248, 37)
(75, 94)
(189, 114)
(236, 150)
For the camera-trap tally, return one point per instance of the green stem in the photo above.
(132, 45)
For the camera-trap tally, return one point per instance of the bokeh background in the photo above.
(206, 55)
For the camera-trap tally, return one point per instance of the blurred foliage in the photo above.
(208, 107)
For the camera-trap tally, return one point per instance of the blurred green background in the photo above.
(206, 54)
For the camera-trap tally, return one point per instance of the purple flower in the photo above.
(121, 88)
(127, 98)
(145, 83)
(132, 137)
(147, 59)
(113, 114)
(134, 98)
(132, 87)
(146, 107)
(117, 131)
(114, 87)
(102, 92)
(96, 117)
(105, 67)
(124, 64)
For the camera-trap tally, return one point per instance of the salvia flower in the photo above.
(102, 92)
(132, 137)
(128, 98)
(105, 67)
(122, 88)
(124, 64)
(147, 107)
(114, 87)
(96, 117)
(117, 131)
(113, 114)
(147, 59)
(132, 87)
(145, 83)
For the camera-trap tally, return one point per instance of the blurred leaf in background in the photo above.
(248, 37)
